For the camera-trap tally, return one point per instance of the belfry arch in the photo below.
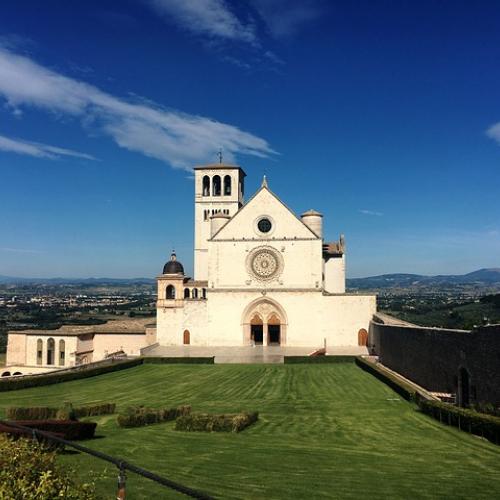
(264, 322)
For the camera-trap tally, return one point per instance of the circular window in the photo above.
(264, 263)
(264, 225)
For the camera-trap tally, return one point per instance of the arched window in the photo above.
(51, 345)
(204, 293)
(195, 293)
(170, 292)
(186, 293)
(216, 185)
(227, 185)
(62, 352)
(39, 352)
(206, 185)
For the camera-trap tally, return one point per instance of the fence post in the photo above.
(120, 495)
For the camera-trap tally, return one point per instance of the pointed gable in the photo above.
(264, 204)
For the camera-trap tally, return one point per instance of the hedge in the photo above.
(226, 422)
(139, 416)
(13, 384)
(65, 413)
(465, 419)
(178, 360)
(318, 359)
(405, 390)
(69, 429)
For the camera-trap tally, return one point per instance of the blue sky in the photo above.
(383, 115)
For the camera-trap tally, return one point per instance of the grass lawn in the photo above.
(324, 431)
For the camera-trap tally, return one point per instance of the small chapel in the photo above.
(262, 275)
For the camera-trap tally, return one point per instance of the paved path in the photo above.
(248, 354)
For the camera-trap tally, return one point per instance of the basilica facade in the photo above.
(262, 275)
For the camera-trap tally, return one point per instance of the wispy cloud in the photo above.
(208, 18)
(285, 18)
(494, 132)
(19, 250)
(370, 212)
(38, 150)
(177, 138)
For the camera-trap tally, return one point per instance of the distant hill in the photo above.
(76, 281)
(482, 277)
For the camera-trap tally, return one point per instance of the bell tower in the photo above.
(218, 190)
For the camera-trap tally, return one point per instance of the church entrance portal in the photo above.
(264, 323)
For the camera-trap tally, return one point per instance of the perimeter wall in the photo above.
(437, 358)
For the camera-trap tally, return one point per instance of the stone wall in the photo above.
(436, 358)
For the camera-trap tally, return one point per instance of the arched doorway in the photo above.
(264, 322)
(257, 330)
(186, 337)
(463, 387)
(362, 337)
(274, 329)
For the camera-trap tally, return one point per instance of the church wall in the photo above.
(106, 343)
(31, 349)
(302, 264)
(171, 323)
(16, 349)
(335, 275)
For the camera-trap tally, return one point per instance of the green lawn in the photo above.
(324, 431)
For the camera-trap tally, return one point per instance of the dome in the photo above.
(173, 266)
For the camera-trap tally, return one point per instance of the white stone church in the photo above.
(262, 275)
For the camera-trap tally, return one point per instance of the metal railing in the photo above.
(122, 465)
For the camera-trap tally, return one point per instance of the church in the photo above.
(262, 275)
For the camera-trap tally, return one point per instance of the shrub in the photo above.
(225, 422)
(68, 412)
(70, 429)
(465, 419)
(318, 359)
(29, 472)
(138, 416)
(13, 384)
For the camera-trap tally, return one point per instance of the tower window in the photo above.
(216, 185)
(206, 185)
(227, 185)
(170, 292)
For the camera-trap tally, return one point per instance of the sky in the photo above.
(382, 115)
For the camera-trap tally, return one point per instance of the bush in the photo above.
(138, 416)
(184, 361)
(29, 472)
(318, 359)
(65, 413)
(70, 429)
(13, 384)
(226, 422)
(405, 390)
(465, 419)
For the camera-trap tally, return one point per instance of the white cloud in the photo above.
(285, 18)
(172, 136)
(370, 212)
(494, 132)
(37, 149)
(210, 18)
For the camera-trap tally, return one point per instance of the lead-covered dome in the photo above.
(173, 266)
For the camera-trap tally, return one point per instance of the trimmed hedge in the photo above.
(318, 359)
(13, 384)
(405, 390)
(139, 416)
(182, 361)
(465, 419)
(65, 413)
(69, 429)
(226, 422)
